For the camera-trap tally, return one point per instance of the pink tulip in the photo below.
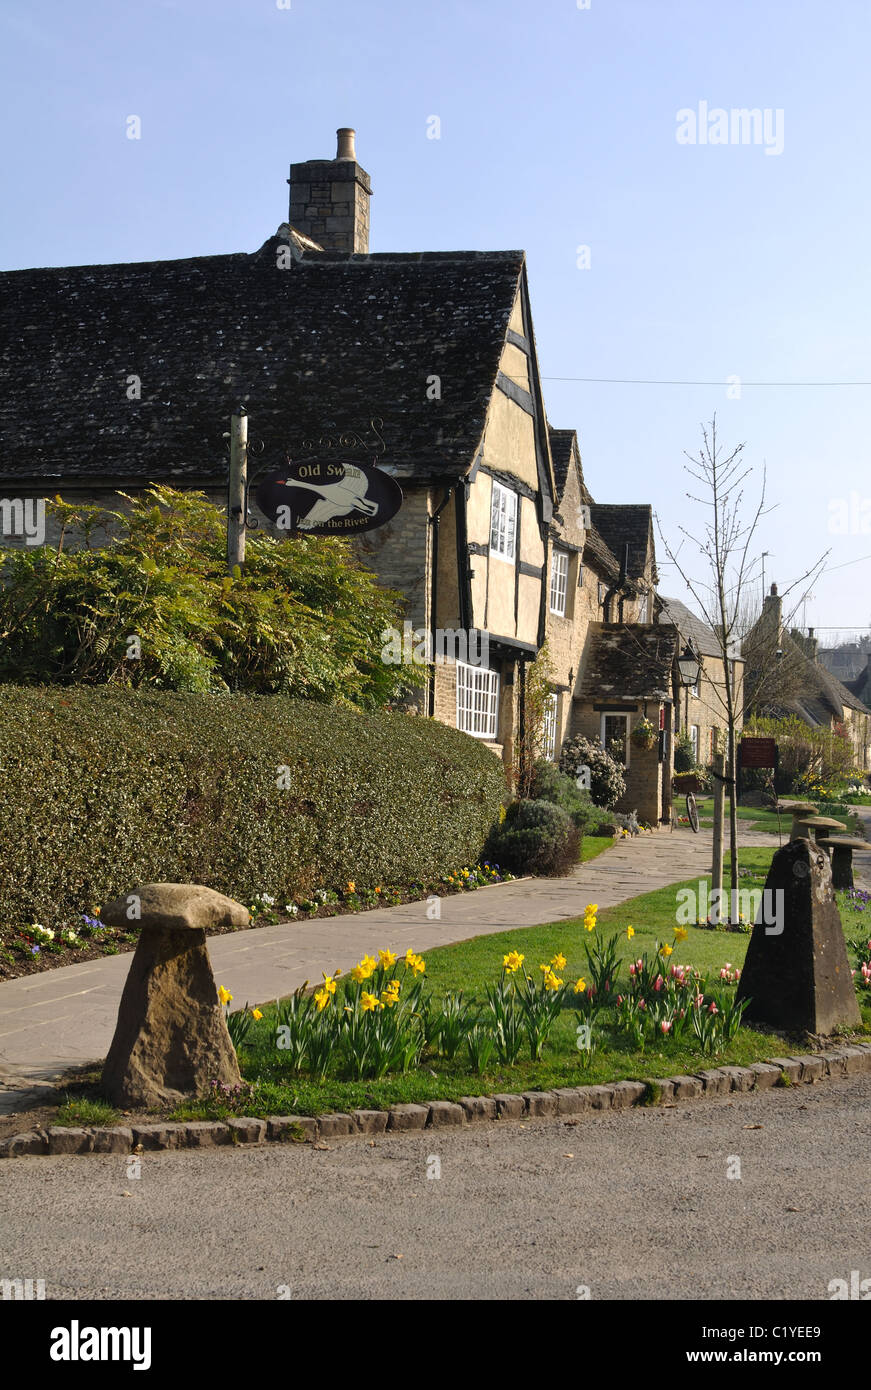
(665, 1026)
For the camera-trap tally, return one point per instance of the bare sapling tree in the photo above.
(722, 593)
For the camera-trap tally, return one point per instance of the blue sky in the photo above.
(558, 130)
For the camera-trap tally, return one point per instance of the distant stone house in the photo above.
(806, 689)
(702, 708)
(116, 376)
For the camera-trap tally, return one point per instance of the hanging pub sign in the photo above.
(758, 752)
(325, 497)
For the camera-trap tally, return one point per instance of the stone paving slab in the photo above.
(66, 1017)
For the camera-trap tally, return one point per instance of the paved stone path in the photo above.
(66, 1017)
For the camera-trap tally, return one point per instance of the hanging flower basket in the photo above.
(686, 782)
(644, 735)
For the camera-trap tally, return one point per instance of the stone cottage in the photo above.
(424, 363)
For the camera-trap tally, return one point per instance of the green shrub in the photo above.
(105, 788)
(536, 837)
(607, 775)
(303, 618)
(684, 754)
(549, 784)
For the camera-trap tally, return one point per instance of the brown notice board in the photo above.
(758, 752)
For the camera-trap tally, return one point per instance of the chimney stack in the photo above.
(329, 198)
(772, 613)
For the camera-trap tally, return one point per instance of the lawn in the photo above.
(467, 965)
(760, 819)
(592, 845)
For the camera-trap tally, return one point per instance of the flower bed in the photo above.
(85, 937)
(379, 1020)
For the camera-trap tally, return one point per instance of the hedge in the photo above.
(105, 788)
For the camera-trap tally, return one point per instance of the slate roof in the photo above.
(625, 524)
(596, 550)
(692, 628)
(628, 660)
(821, 696)
(561, 442)
(316, 349)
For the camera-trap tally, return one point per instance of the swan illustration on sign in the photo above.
(329, 498)
(336, 499)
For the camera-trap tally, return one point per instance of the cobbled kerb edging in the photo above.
(440, 1114)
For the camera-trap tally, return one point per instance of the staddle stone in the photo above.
(799, 979)
(171, 1037)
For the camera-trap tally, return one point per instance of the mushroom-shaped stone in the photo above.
(171, 1037)
(819, 826)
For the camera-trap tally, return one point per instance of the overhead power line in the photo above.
(724, 381)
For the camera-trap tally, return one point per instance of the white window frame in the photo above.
(695, 734)
(642, 608)
(549, 727)
(503, 523)
(559, 582)
(477, 701)
(615, 714)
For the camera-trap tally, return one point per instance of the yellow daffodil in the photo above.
(322, 999)
(358, 974)
(666, 950)
(369, 1003)
(590, 923)
(330, 983)
(680, 933)
(551, 981)
(580, 986)
(418, 965)
(512, 961)
(224, 995)
(386, 959)
(630, 932)
(256, 1015)
(558, 961)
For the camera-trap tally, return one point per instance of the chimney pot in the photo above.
(345, 147)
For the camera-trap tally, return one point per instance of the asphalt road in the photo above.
(635, 1205)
